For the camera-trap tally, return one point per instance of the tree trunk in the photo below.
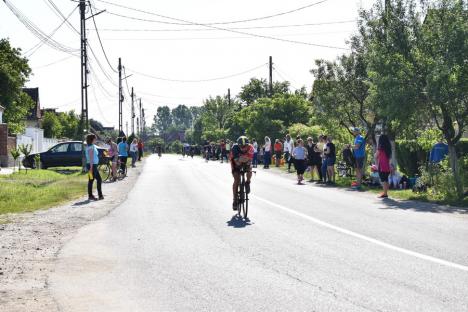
(456, 173)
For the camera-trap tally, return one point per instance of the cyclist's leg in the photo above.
(235, 187)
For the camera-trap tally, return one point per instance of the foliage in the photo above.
(15, 153)
(153, 142)
(439, 181)
(182, 117)
(162, 119)
(273, 116)
(175, 147)
(52, 126)
(305, 131)
(258, 88)
(37, 160)
(14, 73)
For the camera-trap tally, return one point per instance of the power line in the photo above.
(100, 41)
(199, 80)
(226, 29)
(53, 63)
(232, 28)
(37, 32)
(235, 21)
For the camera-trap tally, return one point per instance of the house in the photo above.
(35, 116)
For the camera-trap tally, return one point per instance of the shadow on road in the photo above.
(81, 203)
(238, 222)
(421, 206)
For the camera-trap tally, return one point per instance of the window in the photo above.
(62, 148)
(76, 147)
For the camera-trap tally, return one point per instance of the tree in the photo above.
(70, 122)
(14, 73)
(273, 116)
(182, 117)
(162, 119)
(258, 88)
(217, 112)
(51, 125)
(443, 53)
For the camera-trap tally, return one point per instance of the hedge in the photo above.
(411, 155)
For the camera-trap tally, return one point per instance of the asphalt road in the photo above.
(174, 245)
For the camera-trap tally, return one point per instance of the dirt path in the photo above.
(30, 242)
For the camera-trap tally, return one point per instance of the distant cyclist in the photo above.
(241, 156)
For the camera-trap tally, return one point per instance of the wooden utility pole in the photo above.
(270, 81)
(84, 123)
(229, 96)
(120, 97)
(140, 127)
(133, 111)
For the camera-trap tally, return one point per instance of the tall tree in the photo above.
(444, 53)
(258, 88)
(51, 125)
(182, 117)
(14, 73)
(162, 119)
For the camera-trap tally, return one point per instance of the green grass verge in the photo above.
(345, 182)
(39, 189)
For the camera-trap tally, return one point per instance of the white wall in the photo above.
(35, 137)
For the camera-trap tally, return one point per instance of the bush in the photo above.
(440, 181)
(175, 147)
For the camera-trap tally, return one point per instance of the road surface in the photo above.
(174, 245)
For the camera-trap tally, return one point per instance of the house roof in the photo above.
(36, 110)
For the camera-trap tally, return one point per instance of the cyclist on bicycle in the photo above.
(241, 157)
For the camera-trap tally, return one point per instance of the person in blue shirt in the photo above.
(359, 154)
(92, 162)
(439, 152)
(123, 153)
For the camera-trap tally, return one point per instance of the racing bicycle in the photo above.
(242, 195)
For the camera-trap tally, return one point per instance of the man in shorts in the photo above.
(241, 156)
(359, 155)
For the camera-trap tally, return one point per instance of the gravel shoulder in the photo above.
(30, 243)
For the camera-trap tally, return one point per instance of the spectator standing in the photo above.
(224, 154)
(331, 160)
(255, 156)
(267, 155)
(288, 148)
(92, 162)
(123, 153)
(300, 155)
(359, 155)
(383, 156)
(324, 169)
(261, 154)
(278, 152)
(318, 148)
(134, 151)
(114, 157)
(140, 149)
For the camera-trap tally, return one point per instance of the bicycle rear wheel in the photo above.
(245, 206)
(104, 171)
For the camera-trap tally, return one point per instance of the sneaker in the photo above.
(247, 187)
(383, 195)
(234, 205)
(92, 198)
(101, 197)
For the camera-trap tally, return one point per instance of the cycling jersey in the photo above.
(237, 152)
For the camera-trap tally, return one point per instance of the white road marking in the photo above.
(366, 238)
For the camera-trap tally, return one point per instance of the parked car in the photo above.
(65, 154)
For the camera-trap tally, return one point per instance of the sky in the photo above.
(189, 58)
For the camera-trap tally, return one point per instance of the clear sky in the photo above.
(177, 52)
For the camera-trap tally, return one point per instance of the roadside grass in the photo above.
(38, 189)
(345, 182)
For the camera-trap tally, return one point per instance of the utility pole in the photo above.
(133, 112)
(84, 70)
(141, 119)
(144, 120)
(229, 97)
(270, 82)
(120, 97)
(126, 125)
(138, 127)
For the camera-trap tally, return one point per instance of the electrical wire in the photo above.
(100, 42)
(53, 63)
(37, 32)
(199, 80)
(232, 28)
(226, 29)
(236, 21)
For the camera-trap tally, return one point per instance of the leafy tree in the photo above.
(443, 54)
(70, 122)
(162, 119)
(272, 117)
(14, 73)
(52, 126)
(217, 112)
(182, 117)
(305, 131)
(258, 88)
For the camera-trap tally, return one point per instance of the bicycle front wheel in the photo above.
(245, 206)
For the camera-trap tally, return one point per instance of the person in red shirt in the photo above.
(278, 152)
(383, 156)
(140, 149)
(241, 156)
